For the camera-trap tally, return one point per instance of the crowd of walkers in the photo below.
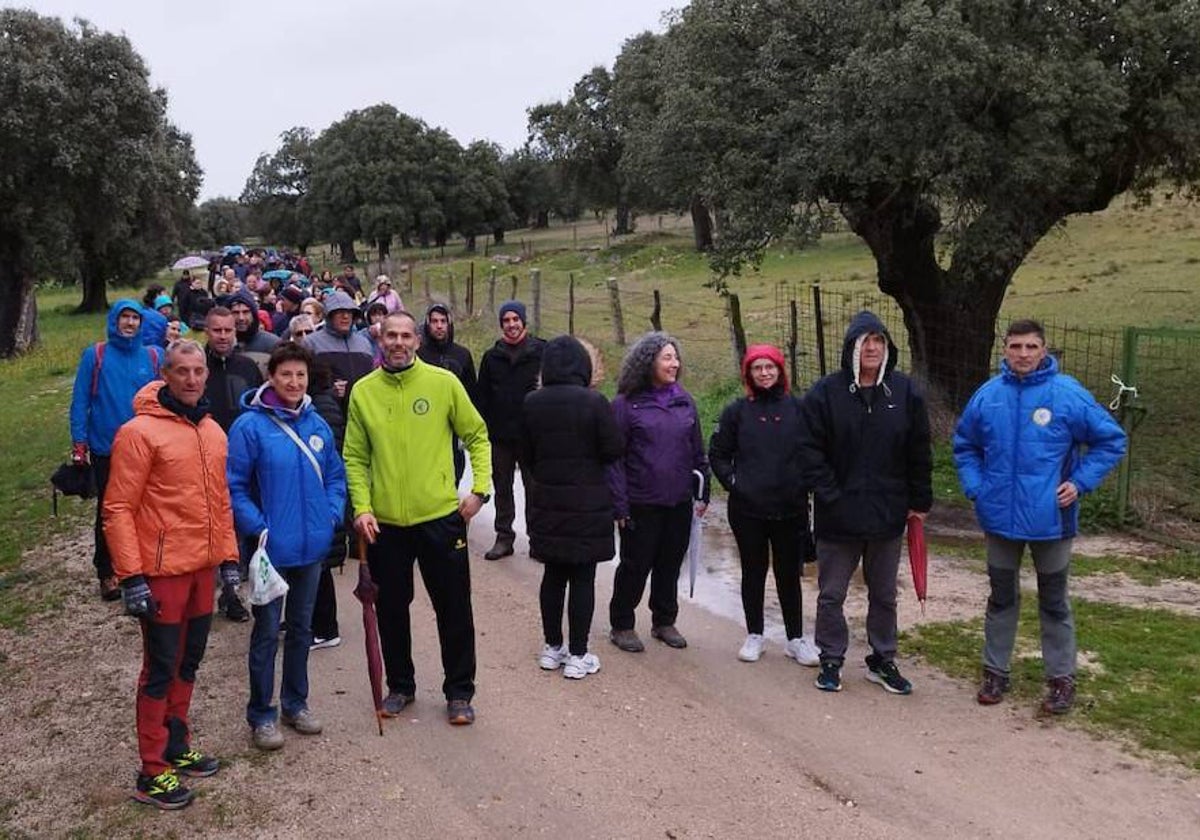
(314, 412)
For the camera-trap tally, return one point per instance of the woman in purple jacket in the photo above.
(653, 488)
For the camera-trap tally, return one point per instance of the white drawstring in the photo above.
(1122, 390)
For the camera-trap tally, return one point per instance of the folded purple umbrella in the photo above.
(366, 591)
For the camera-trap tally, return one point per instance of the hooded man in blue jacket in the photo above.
(108, 376)
(1018, 452)
(864, 449)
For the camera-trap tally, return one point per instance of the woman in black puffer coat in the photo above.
(568, 437)
(755, 454)
(325, 630)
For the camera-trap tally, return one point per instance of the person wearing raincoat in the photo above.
(754, 452)
(865, 447)
(286, 478)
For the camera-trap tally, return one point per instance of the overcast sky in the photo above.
(241, 72)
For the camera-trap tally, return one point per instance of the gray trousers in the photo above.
(1052, 560)
(836, 562)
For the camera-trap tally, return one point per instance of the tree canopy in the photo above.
(950, 134)
(97, 183)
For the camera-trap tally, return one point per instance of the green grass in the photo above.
(1141, 680)
(1151, 571)
(35, 393)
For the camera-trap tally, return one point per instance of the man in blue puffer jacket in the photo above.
(1018, 452)
(108, 376)
(285, 477)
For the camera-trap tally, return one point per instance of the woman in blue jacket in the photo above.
(286, 478)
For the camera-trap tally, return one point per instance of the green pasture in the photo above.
(1139, 674)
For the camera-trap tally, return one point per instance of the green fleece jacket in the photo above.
(399, 437)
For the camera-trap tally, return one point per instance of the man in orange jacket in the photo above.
(168, 522)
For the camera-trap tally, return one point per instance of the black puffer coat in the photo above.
(866, 451)
(228, 378)
(568, 437)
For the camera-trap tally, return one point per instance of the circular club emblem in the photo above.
(315, 443)
(421, 406)
(1042, 416)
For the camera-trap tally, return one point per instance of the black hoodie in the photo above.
(568, 437)
(446, 354)
(865, 451)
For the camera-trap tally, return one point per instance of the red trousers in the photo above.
(173, 643)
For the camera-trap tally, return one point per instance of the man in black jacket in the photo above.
(230, 374)
(507, 372)
(438, 348)
(866, 453)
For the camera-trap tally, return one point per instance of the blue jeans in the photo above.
(264, 642)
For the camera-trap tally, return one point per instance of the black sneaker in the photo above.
(194, 763)
(993, 688)
(230, 604)
(1060, 695)
(163, 791)
(395, 702)
(460, 713)
(886, 674)
(830, 676)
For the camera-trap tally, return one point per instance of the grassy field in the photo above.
(1140, 672)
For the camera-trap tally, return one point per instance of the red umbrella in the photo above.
(366, 591)
(918, 558)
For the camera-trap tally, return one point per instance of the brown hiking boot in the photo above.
(1060, 695)
(627, 640)
(669, 636)
(993, 688)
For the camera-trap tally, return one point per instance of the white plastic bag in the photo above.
(266, 584)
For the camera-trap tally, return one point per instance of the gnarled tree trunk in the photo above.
(18, 303)
(702, 224)
(347, 252)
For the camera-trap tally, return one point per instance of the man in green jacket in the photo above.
(400, 472)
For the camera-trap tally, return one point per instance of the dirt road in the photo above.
(676, 744)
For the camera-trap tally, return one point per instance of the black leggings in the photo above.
(757, 539)
(581, 603)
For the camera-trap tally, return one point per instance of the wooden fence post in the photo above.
(453, 298)
(428, 291)
(492, 293)
(535, 280)
(513, 296)
(571, 303)
(737, 332)
(471, 291)
(656, 313)
(614, 297)
(819, 326)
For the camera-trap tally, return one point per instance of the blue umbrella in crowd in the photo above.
(277, 274)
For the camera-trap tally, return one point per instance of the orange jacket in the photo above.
(166, 506)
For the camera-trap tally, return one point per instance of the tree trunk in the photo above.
(470, 240)
(347, 252)
(702, 224)
(498, 236)
(950, 313)
(385, 247)
(423, 237)
(18, 304)
(624, 220)
(542, 221)
(405, 239)
(440, 238)
(95, 289)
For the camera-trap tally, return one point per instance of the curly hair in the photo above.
(637, 370)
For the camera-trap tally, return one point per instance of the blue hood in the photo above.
(114, 335)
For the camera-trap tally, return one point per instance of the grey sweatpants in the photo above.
(1052, 560)
(836, 562)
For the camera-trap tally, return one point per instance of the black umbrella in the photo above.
(72, 480)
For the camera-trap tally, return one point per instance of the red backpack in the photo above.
(100, 345)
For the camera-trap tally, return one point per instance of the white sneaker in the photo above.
(578, 667)
(803, 651)
(752, 648)
(319, 643)
(552, 658)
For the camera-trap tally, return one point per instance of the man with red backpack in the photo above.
(109, 374)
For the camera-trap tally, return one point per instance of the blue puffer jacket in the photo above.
(126, 367)
(1019, 439)
(273, 484)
